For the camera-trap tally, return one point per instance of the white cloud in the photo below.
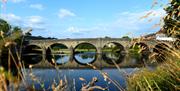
(63, 13)
(36, 22)
(12, 18)
(137, 21)
(125, 23)
(35, 19)
(37, 6)
(17, 1)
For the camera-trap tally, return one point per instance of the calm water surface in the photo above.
(48, 76)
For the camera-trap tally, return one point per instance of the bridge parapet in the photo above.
(99, 43)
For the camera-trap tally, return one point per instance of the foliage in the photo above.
(4, 27)
(134, 50)
(126, 37)
(85, 46)
(9, 33)
(172, 20)
(139, 50)
(164, 78)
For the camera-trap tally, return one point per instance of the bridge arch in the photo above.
(113, 52)
(143, 47)
(139, 51)
(85, 51)
(58, 54)
(7, 60)
(32, 54)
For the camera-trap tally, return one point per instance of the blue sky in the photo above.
(85, 18)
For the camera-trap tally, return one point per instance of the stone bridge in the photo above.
(98, 43)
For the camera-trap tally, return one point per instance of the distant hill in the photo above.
(37, 38)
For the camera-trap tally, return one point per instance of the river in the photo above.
(50, 76)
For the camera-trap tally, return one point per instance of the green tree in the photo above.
(4, 27)
(126, 37)
(9, 33)
(16, 29)
(172, 19)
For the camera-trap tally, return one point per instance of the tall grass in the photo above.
(166, 77)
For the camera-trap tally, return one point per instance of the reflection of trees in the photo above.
(112, 52)
(139, 51)
(86, 55)
(61, 58)
(58, 57)
(112, 55)
(85, 51)
(32, 54)
(58, 52)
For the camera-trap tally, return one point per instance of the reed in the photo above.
(166, 77)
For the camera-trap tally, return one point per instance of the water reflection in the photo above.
(113, 53)
(85, 57)
(85, 53)
(32, 54)
(50, 76)
(58, 54)
(61, 58)
(109, 57)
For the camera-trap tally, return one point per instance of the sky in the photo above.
(85, 18)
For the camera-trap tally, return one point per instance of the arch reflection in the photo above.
(139, 52)
(58, 54)
(32, 54)
(85, 53)
(113, 53)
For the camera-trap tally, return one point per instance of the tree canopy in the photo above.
(4, 26)
(9, 33)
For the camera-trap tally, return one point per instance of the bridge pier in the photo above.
(71, 53)
(44, 53)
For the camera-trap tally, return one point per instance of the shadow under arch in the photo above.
(32, 54)
(113, 51)
(9, 58)
(10, 61)
(161, 51)
(85, 53)
(58, 54)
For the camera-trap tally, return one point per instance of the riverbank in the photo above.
(166, 77)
